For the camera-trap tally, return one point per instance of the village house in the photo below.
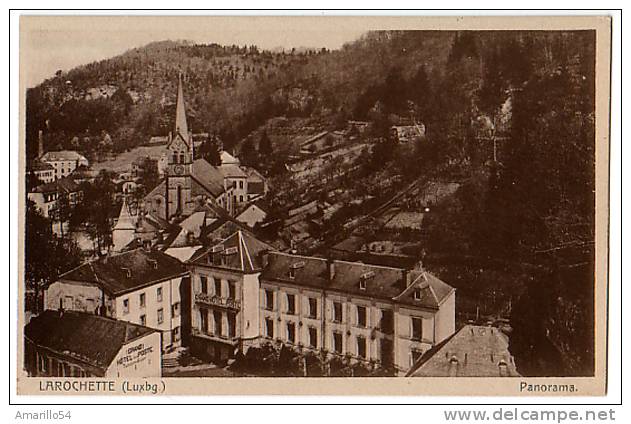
(46, 196)
(63, 344)
(142, 286)
(42, 170)
(64, 162)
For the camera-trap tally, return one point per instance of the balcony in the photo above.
(222, 302)
(233, 340)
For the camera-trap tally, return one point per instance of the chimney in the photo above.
(40, 143)
(264, 258)
(453, 366)
(330, 268)
(406, 277)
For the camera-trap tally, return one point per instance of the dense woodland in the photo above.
(509, 113)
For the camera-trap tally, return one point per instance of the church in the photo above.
(190, 183)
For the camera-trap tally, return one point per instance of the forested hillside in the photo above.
(510, 113)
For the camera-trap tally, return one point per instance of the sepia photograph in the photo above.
(341, 205)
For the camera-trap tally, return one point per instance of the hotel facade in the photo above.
(244, 294)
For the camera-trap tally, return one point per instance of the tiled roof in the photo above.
(379, 281)
(241, 252)
(111, 273)
(65, 185)
(474, 351)
(255, 187)
(62, 155)
(208, 176)
(38, 165)
(85, 337)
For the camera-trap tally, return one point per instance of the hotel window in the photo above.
(387, 321)
(313, 307)
(232, 290)
(125, 306)
(143, 300)
(204, 320)
(291, 304)
(159, 294)
(232, 325)
(143, 320)
(417, 328)
(218, 323)
(176, 334)
(269, 327)
(217, 287)
(269, 300)
(337, 312)
(160, 316)
(337, 342)
(291, 332)
(204, 283)
(361, 316)
(175, 309)
(361, 347)
(241, 184)
(313, 337)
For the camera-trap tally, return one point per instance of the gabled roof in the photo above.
(432, 291)
(62, 185)
(232, 171)
(85, 337)
(240, 252)
(62, 155)
(474, 351)
(209, 177)
(38, 165)
(111, 273)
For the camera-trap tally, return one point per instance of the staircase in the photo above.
(175, 358)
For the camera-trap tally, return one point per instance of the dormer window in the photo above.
(294, 267)
(417, 294)
(364, 278)
(127, 272)
(362, 284)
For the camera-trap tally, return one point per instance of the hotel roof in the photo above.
(240, 252)
(413, 288)
(75, 335)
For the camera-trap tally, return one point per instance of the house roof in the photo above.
(474, 351)
(241, 252)
(380, 281)
(111, 273)
(256, 187)
(227, 158)
(65, 185)
(74, 334)
(232, 170)
(62, 155)
(38, 165)
(208, 176)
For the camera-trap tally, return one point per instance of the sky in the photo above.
(62, 43)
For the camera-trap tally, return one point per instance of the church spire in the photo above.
(180, 112)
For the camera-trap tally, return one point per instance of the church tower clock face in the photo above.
(178, 169)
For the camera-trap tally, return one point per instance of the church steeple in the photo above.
(181, 126)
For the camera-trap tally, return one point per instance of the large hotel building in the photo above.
(244, 294)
